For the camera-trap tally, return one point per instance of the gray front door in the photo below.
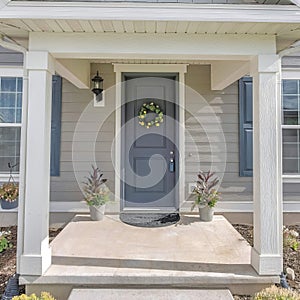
(149, 159)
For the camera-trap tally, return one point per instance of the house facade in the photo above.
(230, 104)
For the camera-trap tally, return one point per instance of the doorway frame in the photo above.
(179, 69)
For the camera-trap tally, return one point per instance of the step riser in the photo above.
(62, 292)
(157, 294)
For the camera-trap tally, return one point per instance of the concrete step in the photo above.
(241, 280)
(149, 294)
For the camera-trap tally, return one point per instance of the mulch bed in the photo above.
(8, 257)
(291, 258)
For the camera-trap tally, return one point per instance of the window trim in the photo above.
(289, 74)
(11, 72)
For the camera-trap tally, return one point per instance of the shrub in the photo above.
(277, 293)
(4, 240)
(44, 296)
(290, 239)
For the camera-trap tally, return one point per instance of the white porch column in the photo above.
(266, 255)
(36, 254)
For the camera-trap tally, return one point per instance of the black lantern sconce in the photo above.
(97, 87)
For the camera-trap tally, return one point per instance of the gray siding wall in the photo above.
(77, 104)
(75, 101)
(10, 58)
(292, 61)
(225, 106)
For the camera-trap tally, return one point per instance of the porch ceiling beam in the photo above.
(75, 71)
(142, 46)
(224, 73)
(153, 11)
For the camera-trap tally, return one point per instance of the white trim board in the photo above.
(172, 46)
(291, 73)
(222, 207)
(150, 11)
(11, 72)
(148, 68)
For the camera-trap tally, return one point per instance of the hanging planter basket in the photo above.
(9, 192)
(9, 205)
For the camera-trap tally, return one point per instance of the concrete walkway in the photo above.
(111, 243)
(110, 254)
(149, 294)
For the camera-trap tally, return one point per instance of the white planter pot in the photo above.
(206, 213)
(97, 212)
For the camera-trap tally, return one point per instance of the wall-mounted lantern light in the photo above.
(97, 86)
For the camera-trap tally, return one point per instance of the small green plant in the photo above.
(290, 239)
(277, 293)
(9, 191)
(4, 240)
(205, 193)
(95, 191)
(44, 296)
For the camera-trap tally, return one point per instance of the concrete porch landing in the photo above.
(111, 254)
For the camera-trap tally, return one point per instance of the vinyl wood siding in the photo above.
(10, 58)
(225, 106)
(74, 103)
(292, 61)
(224, 103)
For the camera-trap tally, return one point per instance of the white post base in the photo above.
(35, 264)
(266, 264)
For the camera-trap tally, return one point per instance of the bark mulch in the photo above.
(8, 257)
(291, 258)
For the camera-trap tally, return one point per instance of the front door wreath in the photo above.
(146, 118)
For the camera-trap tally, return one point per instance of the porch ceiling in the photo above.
(19, 29)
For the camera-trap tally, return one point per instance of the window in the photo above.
(10, 122)
(291, 126)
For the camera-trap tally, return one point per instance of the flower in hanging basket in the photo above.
(9, 191)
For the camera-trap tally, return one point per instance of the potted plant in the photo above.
(9, 194)
(96, 194)
(206, 195)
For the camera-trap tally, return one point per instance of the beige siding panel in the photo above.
(224, 105)
(75, 102)
(85, 147)
(198, 151)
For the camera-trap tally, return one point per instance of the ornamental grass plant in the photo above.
(277, 293)
(205, 191)
(95, 192)
(44, 296)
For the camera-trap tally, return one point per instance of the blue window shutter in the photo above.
(246, 126)
(56, 125)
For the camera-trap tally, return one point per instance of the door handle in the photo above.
(172, 165)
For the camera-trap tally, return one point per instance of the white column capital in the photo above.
(265, 63)
(40, 60)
